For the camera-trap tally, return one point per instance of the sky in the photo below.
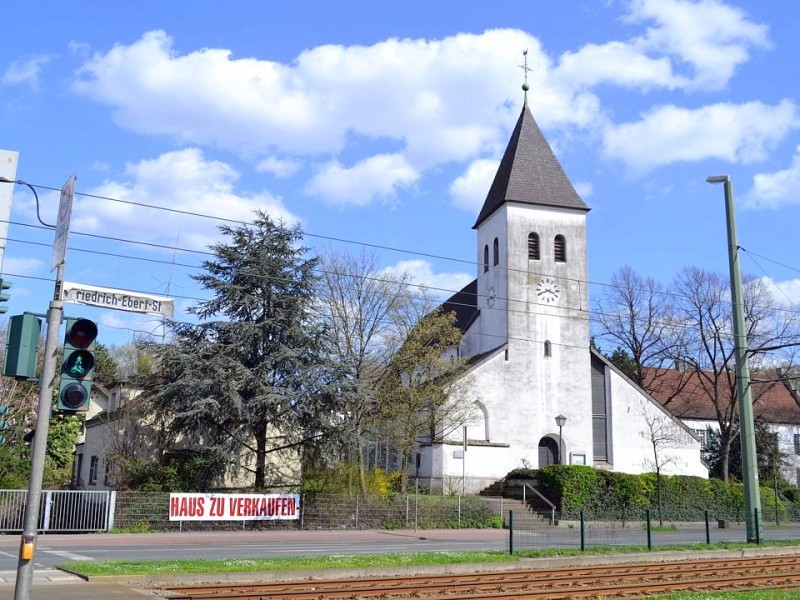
(379, 126)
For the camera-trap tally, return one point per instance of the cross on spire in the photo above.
(526, 69)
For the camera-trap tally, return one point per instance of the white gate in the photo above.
(60, 510)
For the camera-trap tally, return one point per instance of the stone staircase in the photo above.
(504, 498)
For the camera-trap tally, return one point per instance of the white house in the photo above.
(525, 320)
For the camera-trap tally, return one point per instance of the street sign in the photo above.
(8, 169)
(62, 225)
(93, 295)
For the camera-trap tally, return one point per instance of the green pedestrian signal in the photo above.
(4, 285)
(75, 388)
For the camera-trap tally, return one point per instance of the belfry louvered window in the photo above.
(560, 248)
(496, 252)
(485, 258)
(533, 246)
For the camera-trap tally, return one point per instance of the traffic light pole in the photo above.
(27, 548)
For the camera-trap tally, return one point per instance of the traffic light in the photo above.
(75, 388)
(4, 285)
(21, 347)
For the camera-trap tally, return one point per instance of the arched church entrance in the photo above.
(548, 452)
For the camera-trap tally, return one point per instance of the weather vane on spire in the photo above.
(525, 68)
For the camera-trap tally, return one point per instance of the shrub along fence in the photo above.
(147, 511)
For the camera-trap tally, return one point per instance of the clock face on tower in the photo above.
(491, 296)
(547, 290)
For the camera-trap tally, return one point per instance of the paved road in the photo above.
(53, 550)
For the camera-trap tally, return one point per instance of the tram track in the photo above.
(608, 581)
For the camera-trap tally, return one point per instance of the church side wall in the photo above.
(631, 418)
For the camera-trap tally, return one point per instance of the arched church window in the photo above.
(533, 246)
(560, 248)
(548, 349)
(486, 258)
(496, 252)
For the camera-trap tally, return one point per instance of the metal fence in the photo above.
(60, 510)
(145, 511)
(645, 528)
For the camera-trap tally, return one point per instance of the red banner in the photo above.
(234, 507)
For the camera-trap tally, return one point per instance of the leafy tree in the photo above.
(105, 366)
(768, 453)
(423, 397)
(245, 380)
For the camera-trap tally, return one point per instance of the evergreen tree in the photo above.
(244, 381)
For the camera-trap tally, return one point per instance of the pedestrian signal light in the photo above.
(77, 366)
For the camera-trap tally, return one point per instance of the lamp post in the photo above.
(747, 435)
(560, 420)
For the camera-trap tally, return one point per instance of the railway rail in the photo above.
(608, 581)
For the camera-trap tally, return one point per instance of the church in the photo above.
(542, 395)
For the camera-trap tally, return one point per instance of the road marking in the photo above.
(8, 554)
(69, 555)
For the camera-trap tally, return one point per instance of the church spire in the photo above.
(529, 172)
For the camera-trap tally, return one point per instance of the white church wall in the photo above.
(491, 330)
(635, 421)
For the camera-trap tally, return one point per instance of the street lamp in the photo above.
(752, 497)
(560, 420)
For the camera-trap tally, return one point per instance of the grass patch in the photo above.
(238, 565)
(244, 565)
(753, 595)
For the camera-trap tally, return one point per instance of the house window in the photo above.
(486, 258)
(560, 248)
(496, 252)
(701, 433)
(533, 246)
(548, 349)
(797, 443)
(93, 470)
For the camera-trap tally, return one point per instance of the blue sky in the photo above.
(382, 123)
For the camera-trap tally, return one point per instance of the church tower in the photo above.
(532, 293)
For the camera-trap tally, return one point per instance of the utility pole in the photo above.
(747, 431)
(27, 547)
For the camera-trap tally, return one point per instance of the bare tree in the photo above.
(637, 315)
(363, 311)
(663, 435)
(705, 312)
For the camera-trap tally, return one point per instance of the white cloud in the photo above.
(469, 190)
(738, 133)
(21, 266)
(709, 35)
(407, 91)
(784, 292)
(184, 181)
(277, 166)
(686, 45)
(374, 177)
(421, 271)
(25, 70)
(771, 190)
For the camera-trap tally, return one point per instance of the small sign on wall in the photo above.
(577, 459)
(458, 454)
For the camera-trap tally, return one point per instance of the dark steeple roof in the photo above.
(465, 304)
(529, 173)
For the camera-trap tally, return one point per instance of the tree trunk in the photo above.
(261, 457)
